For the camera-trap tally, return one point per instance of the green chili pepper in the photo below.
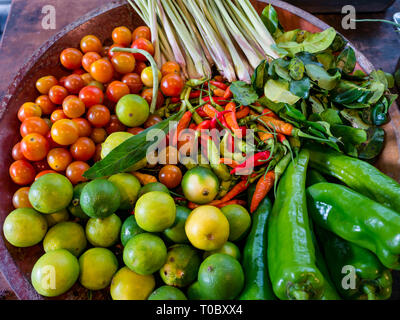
(357, 219)
(358, 175)
(372, 280)
(224, 187)
(291, 253)
(313, 177)
(220, 169)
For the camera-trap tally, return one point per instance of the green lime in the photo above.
(200, 185)
(128, 186)
(145, 253)
(55, 273)
(220, 277)
(129, 229)
(167, 293)
(57, 217)
(239, 221)
(100, 198)
(194, 292)
(65, 235)
(97, 267)
(128, 285)
(75, 206)
(113, 141)
(132, 110)
(176, 233)
(155, 211)
(51, 193)
(153, 186)
(181, 266)
(24, 227)
(103, 232)
(228, 248)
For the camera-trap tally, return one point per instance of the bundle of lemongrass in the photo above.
(199, 34)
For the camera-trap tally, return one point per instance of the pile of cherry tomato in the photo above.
(63, 129)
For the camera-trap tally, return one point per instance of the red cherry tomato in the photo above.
(41, 174)
(170, 67)
(17, 152)
(140, 66)
(59, 159)
(22, 172)
(34, 125)
(147, 94)
(44, 84)
(172, 85)
(114, 125)
(73, 107)
(122, 36)
(98, 135)
(29, 109)
(45, 104)
(74, 83)
(34, 147)
(142, 44)
(141, 32)
(76, 170)
(71, 58)
(98, 115)
(123, 62)
(57, 94)
(84, 127)
(83, 149)
(21, 198)
(102, 70)
(91, 96)
(116, 90)
(88, 59)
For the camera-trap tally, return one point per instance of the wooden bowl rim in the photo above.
(16, 279)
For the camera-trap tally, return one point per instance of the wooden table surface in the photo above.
(24, 34)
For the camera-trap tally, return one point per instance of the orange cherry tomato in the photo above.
(147, 94)
(73, 107)
(91, 96)
(45, 104)
(143, 44)
(76, 170)
(98, 115)
(170, 67)
(34, 147)
(123, 62)
(133, 81)
(102, 70)
(29, 109)
(71, 58)
(22, 172)
(34, 125)
(21, 198)
(170, 176)
(116, 90)
(152, 120)
(84, 127)
(135, 130)
(83, 149)
(59, 159)
(172, 85)
(42, 173)
(140, 66)
(91, 43)
(74, 83)
(111, 54)
(57, 94)
(114, 125)
(17, 152)
(64, 132)
(88, 59)
(58, 115)
(98, 135)
(122, 36)
(44, 84)
(141, 32)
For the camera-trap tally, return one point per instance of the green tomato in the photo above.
(200, 185)
(103, 232)
(113, 141)
(129, 229)
(65, 235)
(132, 110)
(176, 233)
(55, 273)
(97, 266)
(51, 193)
(24, 227)
(57, 217)
(75, 206)
(128, 186)
(239, 221)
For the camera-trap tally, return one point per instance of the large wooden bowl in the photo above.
(16, 263)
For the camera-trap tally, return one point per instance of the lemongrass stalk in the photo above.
(264, 37)
(217, 49)
(247, 49)
(154, 31)
(138, 10)
(238, 61)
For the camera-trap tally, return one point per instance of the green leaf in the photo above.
(300, 88)
(270, 19)
(278, 91)
(296, 69)
(346, 61)
(308, 58)
(322, 77)
(260, 77)
(331, 116)
(338, 43)
(129, 152)
(390, 80)
(347, 92)
(317, 106)
(288, 36)
(327, 60)
(243, 93)
(374, 144)
(356, 105)
(354, 117)
(378, 89)
(349, 134)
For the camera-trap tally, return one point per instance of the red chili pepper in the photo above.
(231, 119)
(206, 124)
(201, 113)
(182, 124)
(219, 85)
(195, 94)
(192, 126)
(221, 118)
(243, 112)
(228, 94)
(227, 203)
(258, 159)
(209, 110)
(281, 137)
(217, 100)
(269, 113)
(244, 130)
(175, 99)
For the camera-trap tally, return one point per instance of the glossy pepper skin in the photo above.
(358, 175)
(357, 219)
(257, 285)
(291, 253)
(373, 281)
